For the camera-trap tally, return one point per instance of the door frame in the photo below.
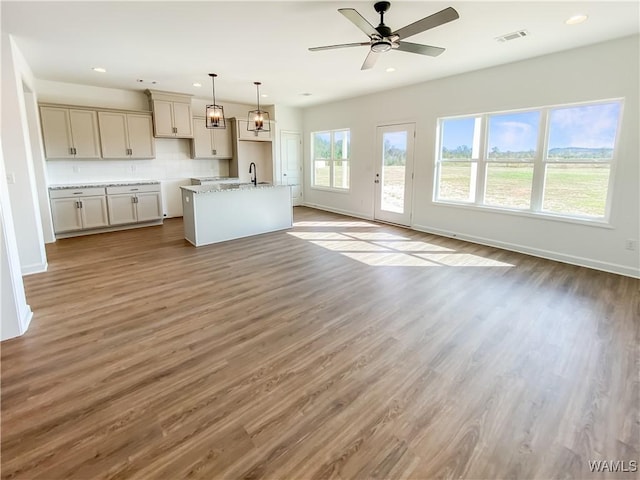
(406, 218)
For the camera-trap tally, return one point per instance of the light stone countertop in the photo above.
(226, 187)
(115, 183)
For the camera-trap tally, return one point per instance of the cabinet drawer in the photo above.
(133, 189)
(76, 192)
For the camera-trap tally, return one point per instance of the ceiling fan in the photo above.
(382, 39)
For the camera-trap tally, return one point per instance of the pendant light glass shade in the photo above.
(258, 120)
(214, 114)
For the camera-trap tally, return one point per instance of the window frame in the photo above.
(539, 162)
(332, 160)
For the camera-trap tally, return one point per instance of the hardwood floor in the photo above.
(340, 349)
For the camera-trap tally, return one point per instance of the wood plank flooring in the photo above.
(340, 349)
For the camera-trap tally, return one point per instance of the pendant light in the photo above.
(258, 120)
(214, 115)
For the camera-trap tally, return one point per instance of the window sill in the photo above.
(596, 222)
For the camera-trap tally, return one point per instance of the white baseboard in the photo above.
(35, 268)
(337, 210)
(537, 252)
(26, 321)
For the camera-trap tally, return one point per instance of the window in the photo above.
(578, 161)
(459, 158)
(498, 160)
(331, 154)
(511, 151)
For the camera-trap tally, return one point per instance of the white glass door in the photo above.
(394, 173)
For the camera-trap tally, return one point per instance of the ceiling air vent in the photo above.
(512, 36)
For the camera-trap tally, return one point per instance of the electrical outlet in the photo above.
(133, 168)
(11, 178)
(76, 169)
(630, 244)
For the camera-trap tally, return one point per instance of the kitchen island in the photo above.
(219, 212)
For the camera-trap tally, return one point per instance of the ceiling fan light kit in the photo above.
(214, 114)
(382, 38)
(258, 120)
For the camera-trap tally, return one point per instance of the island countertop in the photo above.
(225, 187)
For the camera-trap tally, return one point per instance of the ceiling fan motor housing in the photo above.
(381, 46)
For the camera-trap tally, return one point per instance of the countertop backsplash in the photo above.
(172, 162)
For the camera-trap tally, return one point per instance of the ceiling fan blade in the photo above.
(421, 49)
(359, 21)
(370, 61)
(342, 45)
(444, 16)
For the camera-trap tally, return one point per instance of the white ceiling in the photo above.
(179, 43)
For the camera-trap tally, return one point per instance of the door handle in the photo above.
(376, 181)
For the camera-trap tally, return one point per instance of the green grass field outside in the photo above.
(569, 189)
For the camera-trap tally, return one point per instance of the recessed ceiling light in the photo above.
(197, 84)
(576, 19)
(390, 69)
(264, 95)
(99, 69)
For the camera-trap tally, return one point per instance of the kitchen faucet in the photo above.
(255, 173)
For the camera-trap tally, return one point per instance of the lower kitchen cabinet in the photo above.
(134, 204)
(79, 209)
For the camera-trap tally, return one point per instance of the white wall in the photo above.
(18, 159)
(600, 71)
(15, 314)
(289, 120)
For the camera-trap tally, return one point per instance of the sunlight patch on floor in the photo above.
(390, 250)
(389, 259)
(414, 247)
(374, 236)
(335, 224)
(320, 235)
(350, 246)
(462, 260)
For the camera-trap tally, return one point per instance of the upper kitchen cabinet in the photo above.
(210, 142)
(261, 136)
(69, 132)
(171, 114)
(126, 135)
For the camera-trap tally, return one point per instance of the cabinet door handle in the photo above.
(133, 199)
(80, 203)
